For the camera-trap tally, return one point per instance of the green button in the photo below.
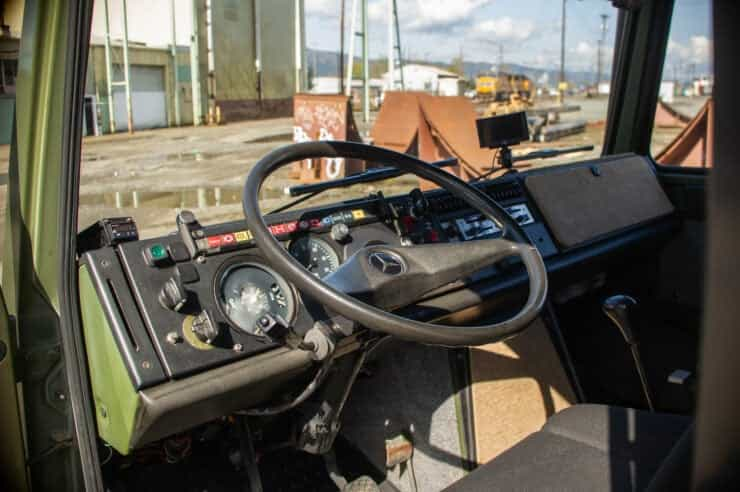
(158, 252)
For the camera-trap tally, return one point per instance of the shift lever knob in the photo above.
(617, 308)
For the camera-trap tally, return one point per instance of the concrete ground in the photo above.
(152, 174)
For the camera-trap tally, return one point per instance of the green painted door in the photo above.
(12, 457)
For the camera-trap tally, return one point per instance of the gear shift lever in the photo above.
(617, 309)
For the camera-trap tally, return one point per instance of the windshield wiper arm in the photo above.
(369, 176)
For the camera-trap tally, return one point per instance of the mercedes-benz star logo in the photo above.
(386, 262)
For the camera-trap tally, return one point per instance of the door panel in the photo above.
(12, 456)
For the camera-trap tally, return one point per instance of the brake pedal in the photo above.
(362, 484)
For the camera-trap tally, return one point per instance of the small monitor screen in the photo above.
(503, 130)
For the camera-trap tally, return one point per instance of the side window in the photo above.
(685, 113)
(11, 18)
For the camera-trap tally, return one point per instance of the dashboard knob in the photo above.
(204, 328)
(340, 232)
(173, 294)
(419, 203)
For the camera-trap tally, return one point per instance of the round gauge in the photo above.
(247, 291)
(315, 254)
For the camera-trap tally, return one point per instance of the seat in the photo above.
(584, 447)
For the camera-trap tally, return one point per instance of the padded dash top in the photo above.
(584, 202)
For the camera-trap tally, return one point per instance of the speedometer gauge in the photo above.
(248, 291)
(315, 254)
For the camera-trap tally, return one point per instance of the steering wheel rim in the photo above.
(371, 316)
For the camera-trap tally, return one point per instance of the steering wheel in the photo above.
(380, 278)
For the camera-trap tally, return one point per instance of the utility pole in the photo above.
(127, 71)
(175, 74)
(561, 85)
(391, 64)
(341, 46)
(365, 67)
(351, 53)
(600, 45)
(394, 46)
(108, 72)
(398, 44)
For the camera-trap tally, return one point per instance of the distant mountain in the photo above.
(326, 63)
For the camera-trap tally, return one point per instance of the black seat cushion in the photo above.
(585, 447)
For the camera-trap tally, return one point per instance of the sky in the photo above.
(438, 30)
(528, 30)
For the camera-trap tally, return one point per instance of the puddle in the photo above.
(190, 198)
(193, 155)
(280, 137)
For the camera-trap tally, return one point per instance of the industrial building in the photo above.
(426, 78)
(245, 62)
(11, 15)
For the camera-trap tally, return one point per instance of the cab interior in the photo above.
(570, 327)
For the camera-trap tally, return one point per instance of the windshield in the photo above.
(182, 98)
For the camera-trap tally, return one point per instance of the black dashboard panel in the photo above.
(157, 336)
(155, 290)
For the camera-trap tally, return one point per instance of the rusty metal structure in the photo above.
(667, 117)
(432, 128)
(324, 117)
(694, 146)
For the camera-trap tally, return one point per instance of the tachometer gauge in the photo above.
(248, 291)
(315, 254)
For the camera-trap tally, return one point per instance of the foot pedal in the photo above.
(680, 377)
(398, 450)
(679, 392)
(362, 484)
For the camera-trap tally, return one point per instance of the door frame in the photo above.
(39, 272)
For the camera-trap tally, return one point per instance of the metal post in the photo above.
(602, 40)
(391, 44)
(298, 46)
(175, 75)
(211, 62)
(398, 44)
(257, 13)
(365, 67)
(351, 54)
(127, 71)
(561, 90)
(195, 65)
(341, 46)
(108, 72)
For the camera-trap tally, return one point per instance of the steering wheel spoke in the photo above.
(392, 277)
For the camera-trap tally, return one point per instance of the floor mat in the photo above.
(407, 389)
(517, 385)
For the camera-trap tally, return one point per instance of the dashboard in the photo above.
(202, 303)
(203, 295)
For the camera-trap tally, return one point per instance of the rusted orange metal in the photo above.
(432, 128)
(667, 117)
(694, 146)
(397, 122)
(324, 117)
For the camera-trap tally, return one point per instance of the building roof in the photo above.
(426, 68)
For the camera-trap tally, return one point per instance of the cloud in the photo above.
(697, 50)
(504, 29)
(585, 49)
(436, 13)
(322, 8)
